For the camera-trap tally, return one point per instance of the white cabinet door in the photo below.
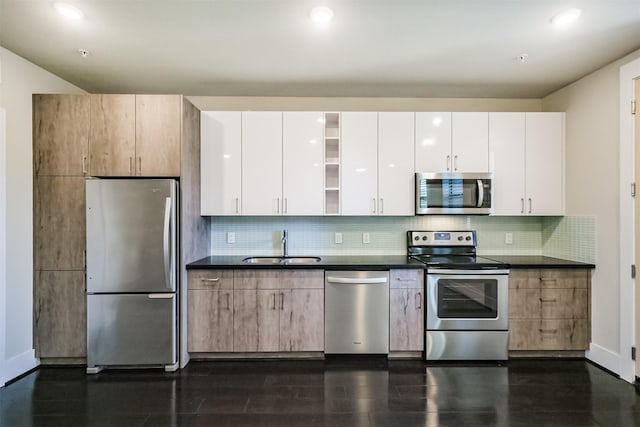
(220, 162)
(303, 163)
(470, 142)
(545, 163)
(359, 163)
(506, 151)
(261, 163)
(395, 164)
(433, 142)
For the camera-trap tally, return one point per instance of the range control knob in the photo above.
(468, 238)
(460, 238)
(424, 237)
(416, 238)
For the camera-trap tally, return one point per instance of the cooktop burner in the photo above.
(448, 249)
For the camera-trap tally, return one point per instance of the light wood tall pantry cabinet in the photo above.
(135, 135)
(527, 152)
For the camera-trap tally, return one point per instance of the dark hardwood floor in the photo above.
(336, 392)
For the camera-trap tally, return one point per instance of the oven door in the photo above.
(467, 299)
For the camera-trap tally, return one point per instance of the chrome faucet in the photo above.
(283, 242)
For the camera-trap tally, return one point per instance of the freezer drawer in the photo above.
(133, 329)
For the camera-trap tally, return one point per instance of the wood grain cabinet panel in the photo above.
(112, 139)
(302, 320)
(549, 309)
(60, 134)
(210, 320)
(158, 135)
(59, 223)
(406, 312)
(60, 314)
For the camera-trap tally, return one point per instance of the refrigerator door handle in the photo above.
(166, 244)
(160, 296)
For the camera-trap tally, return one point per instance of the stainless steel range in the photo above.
(467, 297)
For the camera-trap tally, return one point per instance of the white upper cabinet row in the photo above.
(363, 163)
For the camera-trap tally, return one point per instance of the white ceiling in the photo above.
(399, 48)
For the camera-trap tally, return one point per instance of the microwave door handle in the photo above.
(480, 193)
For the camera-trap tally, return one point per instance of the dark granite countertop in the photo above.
(537, 261)
(365, 262)
(379, 262)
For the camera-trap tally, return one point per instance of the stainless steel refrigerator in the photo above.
(131, 273)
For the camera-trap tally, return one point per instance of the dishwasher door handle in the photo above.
(356, 280)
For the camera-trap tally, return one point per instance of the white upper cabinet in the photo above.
(262, 163)
(359, 163)
(506, 151)
(303, 163)
(220, 167)
(452, 142)
(527, 160)
(433, 142)
(470, 142)
(544, 151)
(395, 164)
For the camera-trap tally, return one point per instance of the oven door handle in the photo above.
(480, 193)
(462, 272)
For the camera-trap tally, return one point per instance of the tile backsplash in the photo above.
(564, 237)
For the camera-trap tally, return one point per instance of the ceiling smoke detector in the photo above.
(523, 57)
(83, 53)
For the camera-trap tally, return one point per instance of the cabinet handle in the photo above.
(522, 205)
(84, 165)
(548, 331)
(381, 205)
(278, 205)
(400, 279)
(455, 162)
(547, 300)
(228, 302)
(206, 281)
(281, 301)
(548, 279)
(130, 165)
(237, 206)
(374, 205)
(84, 258)
(140, 165)
(274, 302)
(286, 206)
(419, 300)
(448, 163)
(530, 205)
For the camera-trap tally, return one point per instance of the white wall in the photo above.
(20, 79)
(592, 182)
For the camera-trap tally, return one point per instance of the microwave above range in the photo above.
(454, 193)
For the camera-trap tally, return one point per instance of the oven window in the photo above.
(468, 298)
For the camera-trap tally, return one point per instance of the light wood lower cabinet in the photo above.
(406, 313)
(210, 311)
(549, 309)
(256, 311)
(60, 314)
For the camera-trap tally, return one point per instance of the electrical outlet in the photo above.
(231, 237)
(366, 238)
(338, 238)
(508, 238)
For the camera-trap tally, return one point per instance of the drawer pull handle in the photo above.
(548, 300)
(548, 331)
(548, 279)
(228, 301)
(217, 279)
(400, 279)
(419, 300)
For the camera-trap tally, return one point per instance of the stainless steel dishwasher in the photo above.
(356, 312)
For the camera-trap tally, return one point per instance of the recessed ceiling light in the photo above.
(68, 11)
(566, 17)
(321, 15)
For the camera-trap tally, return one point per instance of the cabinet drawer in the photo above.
(524, 303)
(564, 278)
(210, 279)
(406, 279)
(564, 303)
(278, 279)
(560, 334)
(524, 279)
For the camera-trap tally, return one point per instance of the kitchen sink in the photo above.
(281, 260)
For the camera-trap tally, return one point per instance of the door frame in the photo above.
(628, 74)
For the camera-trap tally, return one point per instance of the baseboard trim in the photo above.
(18, 365)
(604, 357)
